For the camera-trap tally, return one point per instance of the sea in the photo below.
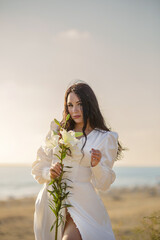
(17, 181)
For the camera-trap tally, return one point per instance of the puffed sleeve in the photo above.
(102, 174)
(44, 159)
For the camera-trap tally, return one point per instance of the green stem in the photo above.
(56, 230)
(59, 194)
(59, 182)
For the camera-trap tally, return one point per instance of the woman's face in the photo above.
(75, 109)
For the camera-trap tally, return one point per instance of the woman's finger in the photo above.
(57, 170)
(95, 157)
(57, 164)
(94, 163)
(54, 175)
(94, 151)
(96, 154)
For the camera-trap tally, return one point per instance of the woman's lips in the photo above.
(76, 116)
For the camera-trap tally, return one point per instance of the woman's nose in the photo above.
(75, 109)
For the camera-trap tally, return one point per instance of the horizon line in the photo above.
(30, 164)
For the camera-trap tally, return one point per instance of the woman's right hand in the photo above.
(55, 170)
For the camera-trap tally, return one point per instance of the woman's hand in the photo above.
(95, 157)
(55, 170)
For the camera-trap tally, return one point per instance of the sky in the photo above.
(113, 45)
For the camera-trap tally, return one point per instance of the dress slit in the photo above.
(75, 222)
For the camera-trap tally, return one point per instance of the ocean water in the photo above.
(17, 182)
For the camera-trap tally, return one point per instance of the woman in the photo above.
(98, 148)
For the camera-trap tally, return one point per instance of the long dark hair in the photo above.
(91, 111)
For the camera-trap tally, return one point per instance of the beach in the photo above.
(126, 208)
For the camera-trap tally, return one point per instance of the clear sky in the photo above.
(113, 45)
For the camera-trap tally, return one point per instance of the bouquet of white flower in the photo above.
(62, 142)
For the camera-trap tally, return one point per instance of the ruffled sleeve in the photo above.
(44, 159)
(102, 174)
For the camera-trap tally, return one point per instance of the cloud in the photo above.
(73, 34)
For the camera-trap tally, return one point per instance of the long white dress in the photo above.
(87, 211)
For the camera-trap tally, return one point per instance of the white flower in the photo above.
(68, 138)
(52, 142)
(56, 150)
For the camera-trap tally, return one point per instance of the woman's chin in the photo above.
(78, 121)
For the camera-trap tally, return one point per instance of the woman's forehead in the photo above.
(72, 97)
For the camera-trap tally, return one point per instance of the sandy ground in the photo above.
(126, 208)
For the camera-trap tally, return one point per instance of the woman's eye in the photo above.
(70, 105)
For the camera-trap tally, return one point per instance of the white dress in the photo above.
(87, 211)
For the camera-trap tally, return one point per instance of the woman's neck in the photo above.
(79, 127)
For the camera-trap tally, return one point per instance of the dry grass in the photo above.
(126, 209)
(16, 219)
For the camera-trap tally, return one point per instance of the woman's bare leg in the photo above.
(71, 232)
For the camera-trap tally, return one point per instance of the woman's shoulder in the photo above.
(105, 139)
(104, 133)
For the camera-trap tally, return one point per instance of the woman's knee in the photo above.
(69, 237)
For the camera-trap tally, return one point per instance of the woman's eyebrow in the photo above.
(79, 101)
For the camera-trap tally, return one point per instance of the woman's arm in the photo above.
(102, 174)
(44, 160)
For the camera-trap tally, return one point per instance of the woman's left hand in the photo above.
(95, 157)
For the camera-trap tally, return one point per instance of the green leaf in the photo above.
(68, 167)
(61, 218)
(67, 117)
(57, 156)
(66, 205)
(51, 182)
(68, 179)
(55, 187)
(69, 186)
(52, 193)
(78, 134)
(54, 132)
(52, 226)
(63, 155)
(57, 122)
(53, 210)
